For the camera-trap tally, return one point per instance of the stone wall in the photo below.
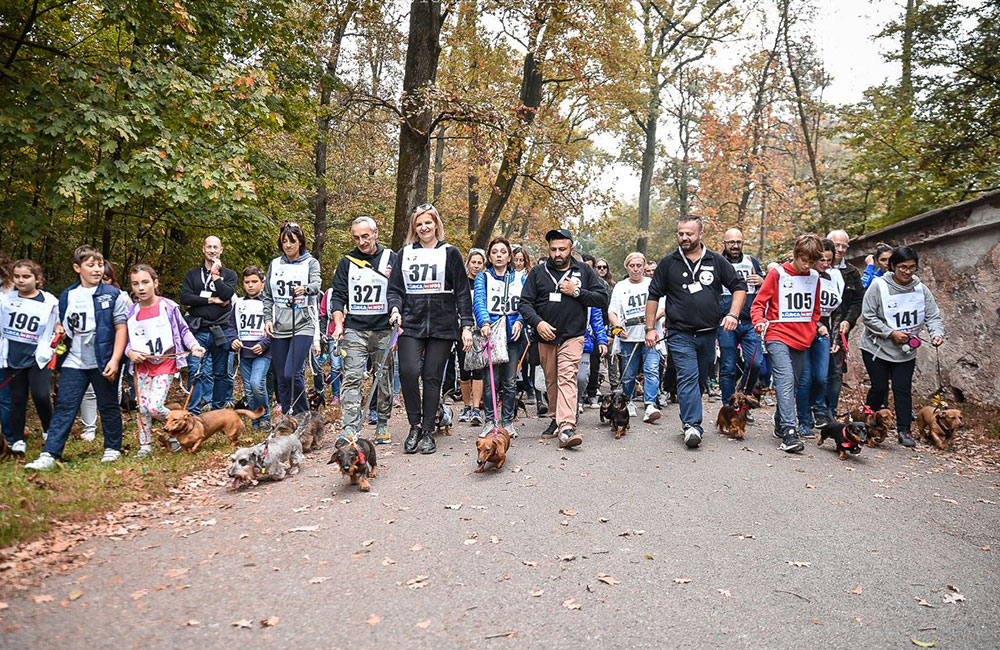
(959, 249)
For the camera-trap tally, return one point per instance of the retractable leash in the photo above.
(377, 376)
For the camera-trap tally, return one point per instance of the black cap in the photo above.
(558, 233)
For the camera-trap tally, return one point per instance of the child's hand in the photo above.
(237, 345)
(198, 351)
(136, 357)
(111, 370)
(257, 349)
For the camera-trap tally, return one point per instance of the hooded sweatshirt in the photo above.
(290, 315)
(875, 337)
(796, 335)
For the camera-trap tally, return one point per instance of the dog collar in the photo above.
(937, 418)
(259, 465)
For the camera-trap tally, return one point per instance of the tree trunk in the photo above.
(438, 164)
(326, 82)
(510, 166)
(420, 71)
(646, 177)
(473, 202)
(906, 54)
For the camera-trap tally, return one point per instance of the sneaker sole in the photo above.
(652, 418)
(574, 441)
(792, 450)
(692, 442)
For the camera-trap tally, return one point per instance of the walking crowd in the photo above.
(490, 329)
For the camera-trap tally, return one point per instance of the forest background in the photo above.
(141, 126)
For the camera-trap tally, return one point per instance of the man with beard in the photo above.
(691, 279)
(743, 337)
(554, 302)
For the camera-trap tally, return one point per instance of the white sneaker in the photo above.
(86, 435)
(652, 413)
(631, 409)
(692, 437)
(45, 461)
(511, 430)
(19, 447)
(579, 409)
(144, 451)
(110, 455)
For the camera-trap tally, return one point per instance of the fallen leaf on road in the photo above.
(417, 583)
(608, 580)
(923, 644)
(318, 580)
(567, 558)
(798, 564)
(176, 573)
(452, 506)
(368, 542)
(816, 621)
(537, 594)
(810, 486)
(494, 539)
(374, 620)
(568, 513)
(270, 621)
(741, 535)
(571, 604)
(858, 619)
(951, 599)
(244, 623)
(4, 605)
(136, 595)
(984, 501)
(682, 581)
(984, 548)
(922, 602)
(361, 553)
(345, 501)
(951, 501)
(881, 496)
(303, 529)
(603, 520)
(857, 590)
(244, 536)
(417, 547)
(529, 563)
(207, 522)
(953, 588)
(76, 593)
(725, 593)
(387, 561)
(470, 541)
(41, 598)
(192, 623)
(649, 556)
(423, 625)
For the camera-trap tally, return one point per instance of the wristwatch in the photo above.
(733, 316)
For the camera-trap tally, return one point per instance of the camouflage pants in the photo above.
(360, 348)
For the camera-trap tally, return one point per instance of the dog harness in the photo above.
(259, 466)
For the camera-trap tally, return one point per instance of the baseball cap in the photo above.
(558, 233)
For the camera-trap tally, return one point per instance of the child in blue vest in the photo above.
(92, 315)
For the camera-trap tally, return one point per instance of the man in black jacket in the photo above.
(691, 279)
(843, 321)
(554, 302)
(207, 291)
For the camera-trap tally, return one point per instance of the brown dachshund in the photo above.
(192, 430)
(733, 415)
(938, 426)
(492, 448)
(878, 423)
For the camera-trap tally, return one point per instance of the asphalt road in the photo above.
(733, 545)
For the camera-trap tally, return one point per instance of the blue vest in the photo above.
(104, 310)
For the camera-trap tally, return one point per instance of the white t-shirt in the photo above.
(628, 303)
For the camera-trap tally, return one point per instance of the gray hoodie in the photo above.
(875, 338)
(305, 318)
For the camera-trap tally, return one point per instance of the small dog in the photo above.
(266, 460)
(878, 423)
(191, 431)
(848, 437)
(443, 419)
(492, 448)
(284, 426)
(604, 412)
(357, 460)
(733, 415)
(937, 425)
(317, 400)
(618, 414)
(310, 430)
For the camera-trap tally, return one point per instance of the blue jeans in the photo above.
(254, 374)
(650, 359)
(503, 374)
(219, 379)
(730, 343)
(693, 354)
(72, 385)
(786, 366)
(810, 396)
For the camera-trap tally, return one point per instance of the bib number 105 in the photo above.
(798, 301)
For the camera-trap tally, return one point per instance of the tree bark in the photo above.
(326, 83)
(473, 202)
(438, 163)
(646, 177)
(510, 166)
(420, 71)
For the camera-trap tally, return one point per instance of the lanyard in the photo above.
(560, 280)
(206, 279)
(687, 263)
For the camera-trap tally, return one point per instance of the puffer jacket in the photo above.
(595, 328)
(479, 301)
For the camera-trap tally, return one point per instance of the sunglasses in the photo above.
(290, 225)
(603, 267)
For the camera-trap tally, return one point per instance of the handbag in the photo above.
(476, 358)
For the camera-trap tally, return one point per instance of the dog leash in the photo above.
(865, 409)
(749, 370)
(493, 385)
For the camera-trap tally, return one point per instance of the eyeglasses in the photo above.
(733, 243)
(908, 268)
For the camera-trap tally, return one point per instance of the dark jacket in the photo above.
(202, 315)
(434, 315)
(104, 330)
(698, 311)
(232, 333)
(569, 315)
(339, 299)
(850, 306)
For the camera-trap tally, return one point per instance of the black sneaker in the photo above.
(777, 427)
(906, 439)
(820, 421)
(410, 446)
(550, 431)
(791, 442)
(427, 444)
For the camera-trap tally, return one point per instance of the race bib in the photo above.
(903, 311)
(151, 336)
(501, 298)
(284, 279)
(79, 317)
(633, 302)
(366, 289)
(250, 320)
(796, 296)
(831, 292)
(423, 269)
(25, 320)
(744, 268)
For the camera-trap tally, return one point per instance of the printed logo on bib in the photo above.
(366, 291)
(25, 320)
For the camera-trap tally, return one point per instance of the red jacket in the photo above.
(798, 336)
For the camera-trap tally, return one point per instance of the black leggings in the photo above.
(901, 373)
(468, 375)
(38, 381)
(435, 354)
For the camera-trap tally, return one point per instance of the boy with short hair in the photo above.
(92, 315)
(246, 323)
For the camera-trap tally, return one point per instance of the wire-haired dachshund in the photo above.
(733, 415)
